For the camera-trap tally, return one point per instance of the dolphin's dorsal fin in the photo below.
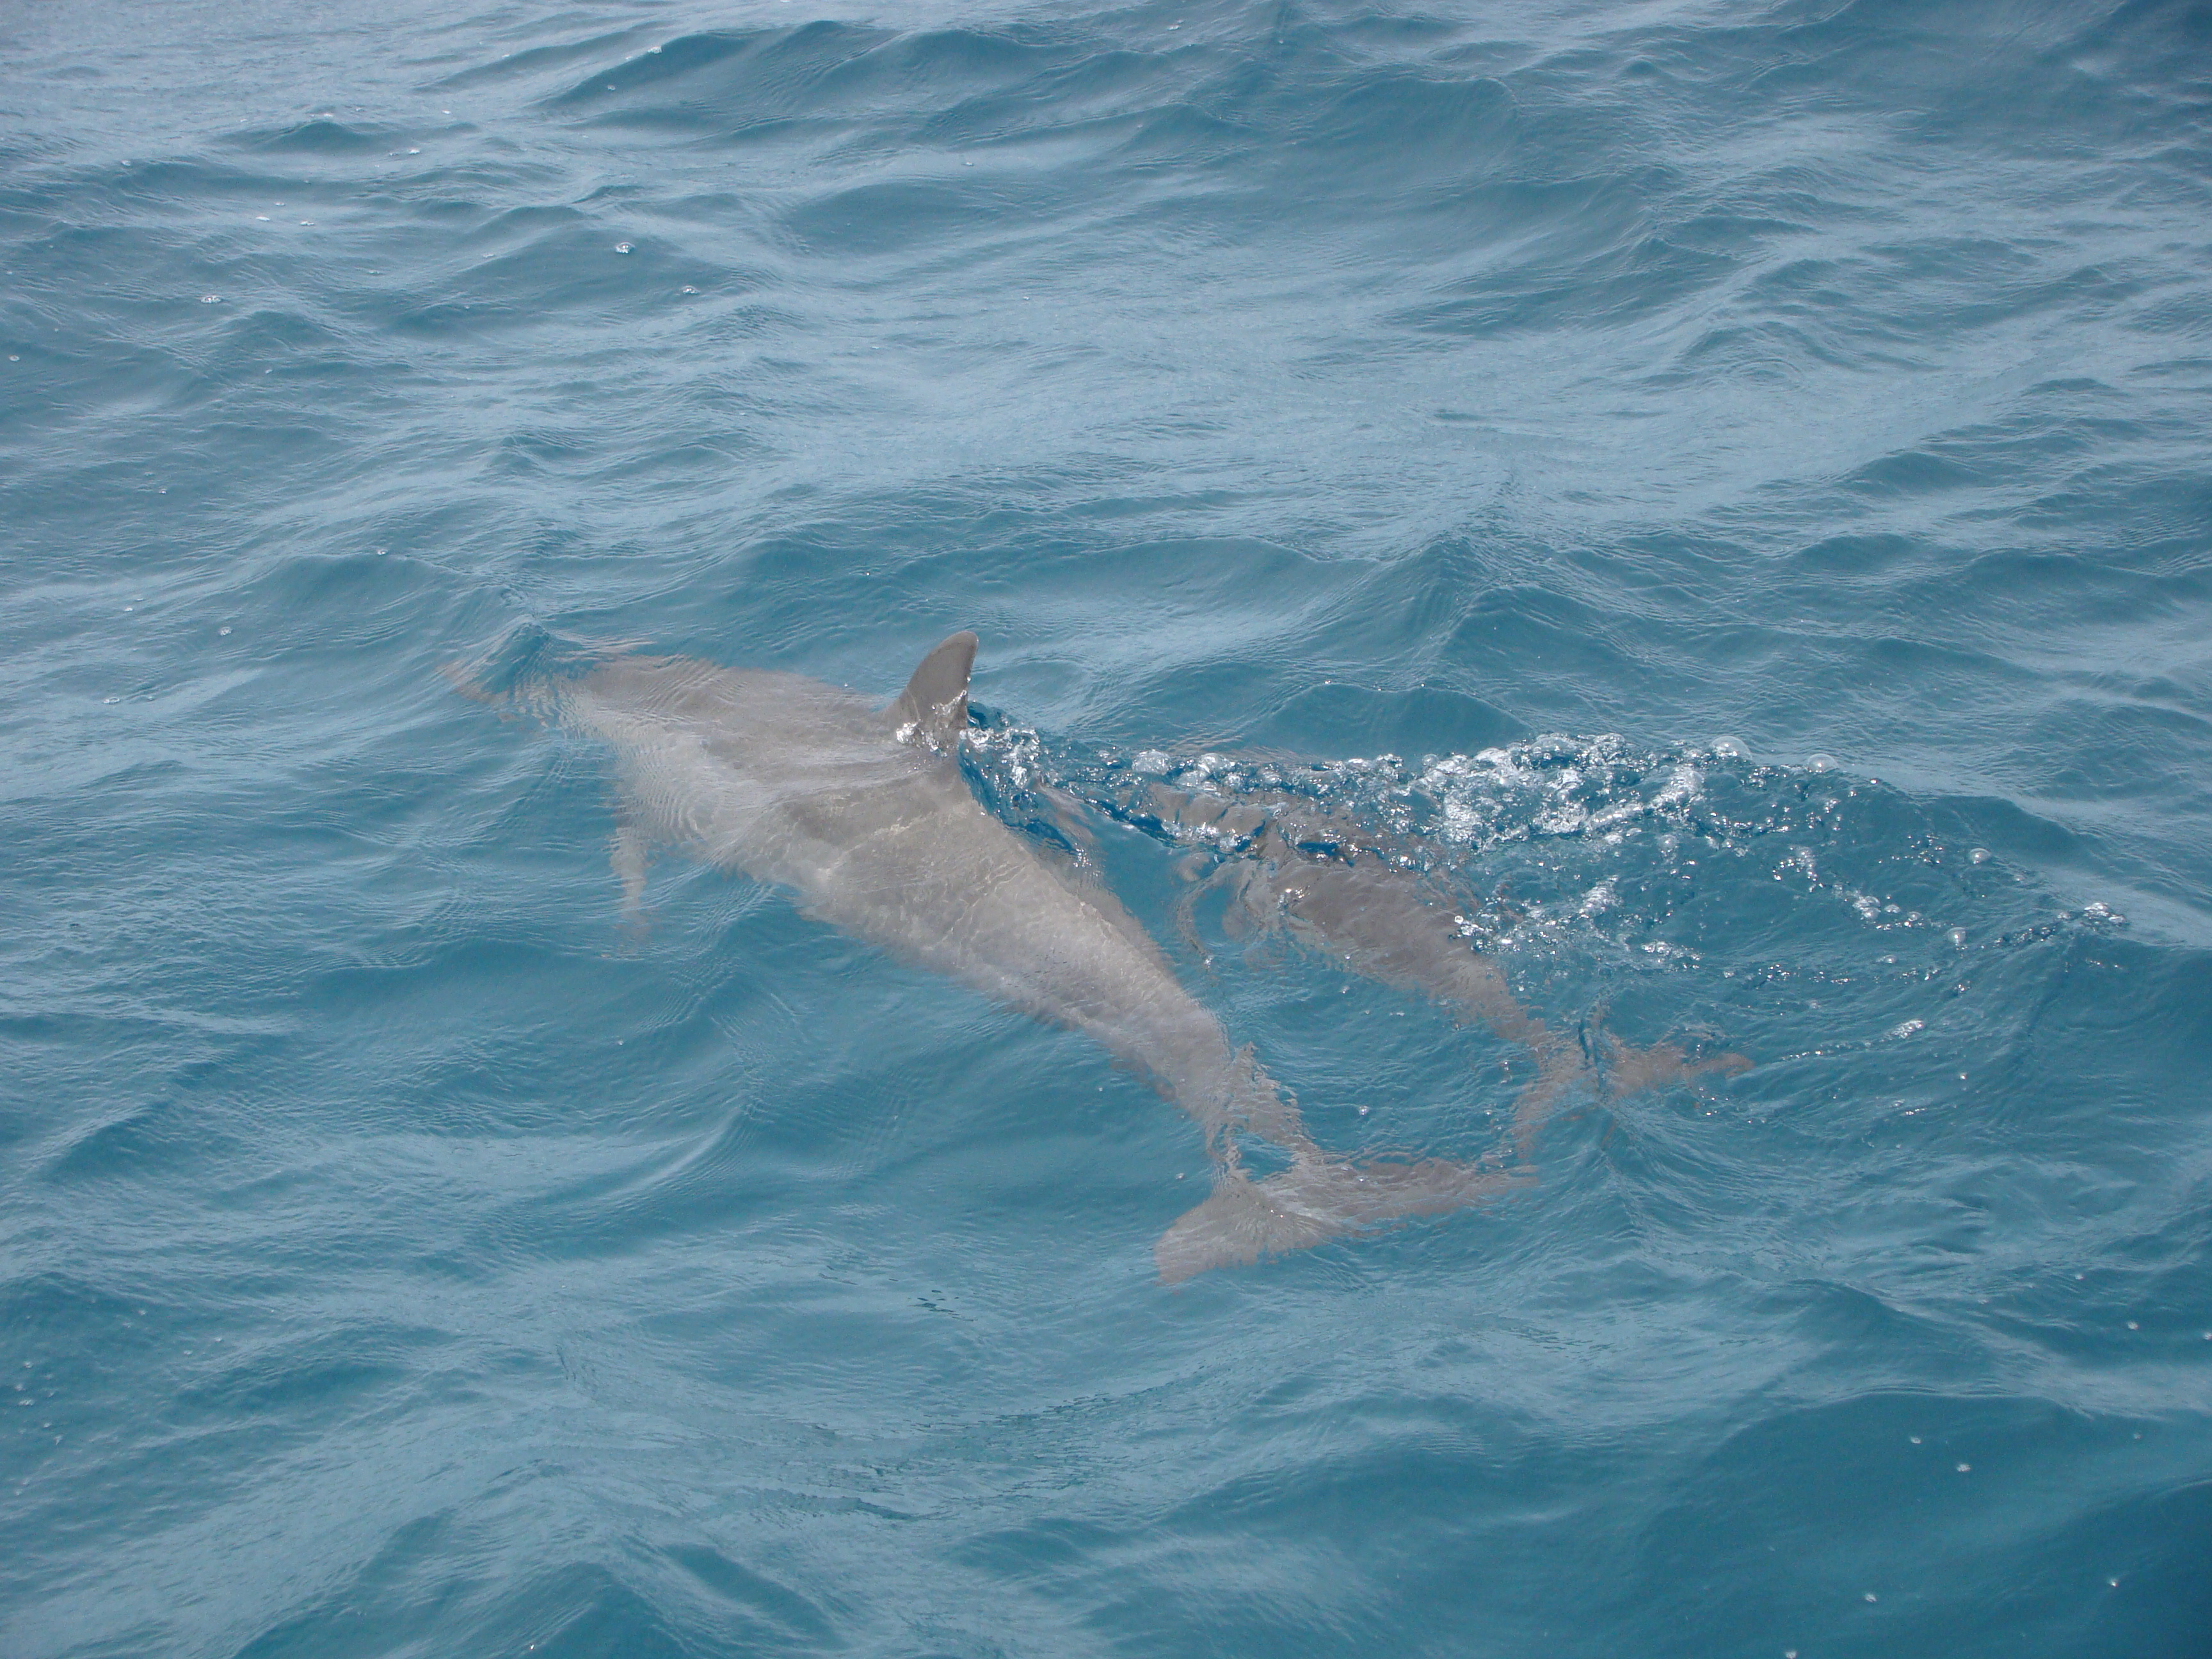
(933, 710)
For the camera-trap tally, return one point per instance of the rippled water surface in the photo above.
(1721, 490)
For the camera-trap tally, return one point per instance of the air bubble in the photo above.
(210, 298)
(224, 631)
(622, 247)
(1728, 747)
(1822, 763)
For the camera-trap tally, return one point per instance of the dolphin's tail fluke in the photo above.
(1315, 1199)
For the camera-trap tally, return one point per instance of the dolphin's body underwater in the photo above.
(864, 814)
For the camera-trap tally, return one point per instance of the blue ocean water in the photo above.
(1729, 482)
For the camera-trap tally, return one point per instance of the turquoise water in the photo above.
(1726, 483)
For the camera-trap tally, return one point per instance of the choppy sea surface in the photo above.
(1729, 482)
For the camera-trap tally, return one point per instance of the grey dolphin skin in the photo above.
(864, 814)
(1358, 900)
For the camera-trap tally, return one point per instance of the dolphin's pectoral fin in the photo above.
(1314, 1200)
(933, 710)
(628, 856)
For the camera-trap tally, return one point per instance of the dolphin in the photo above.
(863, 813)
(1360, 899)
